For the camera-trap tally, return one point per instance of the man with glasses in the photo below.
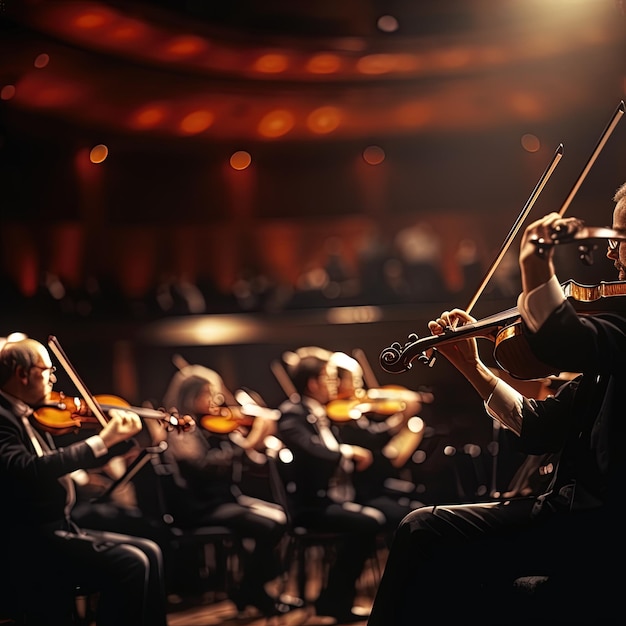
(44, 554)
(457, 563)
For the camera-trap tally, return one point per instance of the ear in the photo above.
(21, 374)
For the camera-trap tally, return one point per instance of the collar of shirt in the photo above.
(19, 407)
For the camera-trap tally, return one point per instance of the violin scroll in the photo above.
(393, 358)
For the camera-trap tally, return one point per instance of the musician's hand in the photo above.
(458, 352)
(122, 425)
(362, 457)
(536, 261)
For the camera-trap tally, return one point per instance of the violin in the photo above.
(511, 350)
(227, 419)
(63, 414)
(385, 401)
(344, 410)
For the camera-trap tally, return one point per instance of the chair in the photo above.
(215, 549)
(308, 552)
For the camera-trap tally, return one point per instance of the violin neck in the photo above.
(143, 412)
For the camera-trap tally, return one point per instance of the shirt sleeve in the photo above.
(536, 306)
(97, 445)
(505, 404)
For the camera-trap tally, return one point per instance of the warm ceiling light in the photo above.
(387, 23)
(323, 64)
(41, 61)
(148, 117)
(271, 63)
(240, 160)
(276, 123)
(91, 20)
(98, 153)
(324, 120)
(373, 155)
(196, 122)
(7, 92)
(376, 64)
(530, 142)
(186, 45)
(128, 31)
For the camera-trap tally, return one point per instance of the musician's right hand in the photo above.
(122, 425)
(362, 458)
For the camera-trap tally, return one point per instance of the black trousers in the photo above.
(361, 526)
(126, 571)
(456, 564)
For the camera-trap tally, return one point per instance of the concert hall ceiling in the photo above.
(276, 71)
(126, 114)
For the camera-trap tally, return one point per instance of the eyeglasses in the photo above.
(52, 369)
(613, 244)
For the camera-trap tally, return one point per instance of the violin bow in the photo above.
(55, 346)
(541, 183)
(558, 154)
(606, 133)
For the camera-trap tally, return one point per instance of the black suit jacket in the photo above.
(314, 464)
(587, 417)
(31, 492)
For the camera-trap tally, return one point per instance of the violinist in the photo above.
(208, 466)
(321, 498)
(454, 562)
(44, 553)
(387, 424)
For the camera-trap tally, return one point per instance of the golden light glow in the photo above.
(98, 153)
(272, 63)
(324, 64)
(197, 122)
(240, 160)
(276, 123)
(324, 120)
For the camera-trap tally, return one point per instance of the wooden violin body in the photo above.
(63, 414)
(227, 419)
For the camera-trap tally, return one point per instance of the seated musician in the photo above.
(387, 424)
(320, 470)
(457, 563)
(209, 465)
(44, 552)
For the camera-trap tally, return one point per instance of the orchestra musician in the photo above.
(386, 422)
(208, 466)
(46, 555)
(457, 563)
(320, 469)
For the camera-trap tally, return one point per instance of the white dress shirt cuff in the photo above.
(346, 451)
(505, 403)
(96, 443)
(536, 307)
